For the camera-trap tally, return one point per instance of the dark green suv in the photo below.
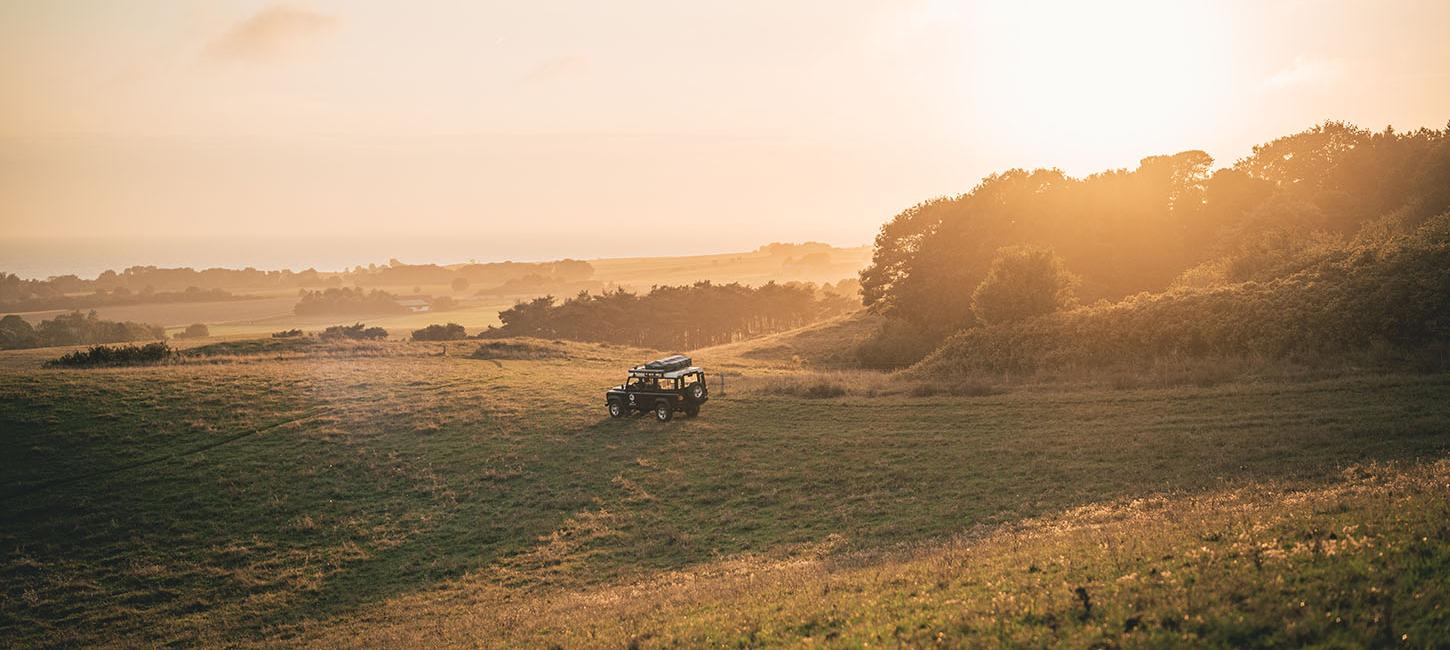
(662, 386)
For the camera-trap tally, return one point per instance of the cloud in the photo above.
(272, 33)
(555, 68)
(1305, 72)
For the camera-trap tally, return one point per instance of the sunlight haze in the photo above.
(542, 130)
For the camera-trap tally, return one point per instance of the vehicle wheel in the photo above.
(692, 411)
(663, 411)
(617, 409)
(697, 391)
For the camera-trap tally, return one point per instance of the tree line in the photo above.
(347, 301)
(1173, 223)
(155, 282)
(74, 328)
(17, 294)
(673, 317)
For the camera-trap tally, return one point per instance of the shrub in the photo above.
(897, 343)
(355, 331)
(806, 387)
(516, 350)
(121, 355)
(194, 331)
(435, 332)
(1022, 283)
(823, 390)
(954, 389)
(287, 334)
(16, 332)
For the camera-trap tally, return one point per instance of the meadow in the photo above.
(383, 493)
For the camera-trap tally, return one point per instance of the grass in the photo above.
(339, 498)
(1360, 562)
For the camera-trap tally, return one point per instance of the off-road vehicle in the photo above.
(661, 387)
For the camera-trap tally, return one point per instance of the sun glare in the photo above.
(1110, 81)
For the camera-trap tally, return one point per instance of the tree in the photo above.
(195, 331)
(16, 332)
(435, 332)
(1023, 282)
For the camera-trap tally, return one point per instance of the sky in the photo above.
(327, 133)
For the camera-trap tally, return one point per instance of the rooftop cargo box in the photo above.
(676, 362)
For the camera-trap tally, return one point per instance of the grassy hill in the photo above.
(396, 492)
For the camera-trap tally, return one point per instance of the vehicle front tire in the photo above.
(663, 411)
(617, 409)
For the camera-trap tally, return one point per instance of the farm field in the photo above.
(392, 493)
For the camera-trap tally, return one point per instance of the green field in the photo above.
(389, 494)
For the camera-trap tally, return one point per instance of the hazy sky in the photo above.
(592, 129)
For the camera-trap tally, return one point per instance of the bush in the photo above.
(356, 331)
(16, 332)
(897, 344)
(1022, 283)
(516, 350)
(814, 387)
(121, 355)
(435, 332)
(287, 334)
(823, 390)
(194, 331)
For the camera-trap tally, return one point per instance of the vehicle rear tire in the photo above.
(692, 411)
(663, 411)
(617, 409)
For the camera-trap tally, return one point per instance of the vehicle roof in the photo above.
(673, 374)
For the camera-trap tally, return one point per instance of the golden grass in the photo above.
(309, 498)
(1153, 570)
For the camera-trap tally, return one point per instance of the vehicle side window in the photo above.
(689, 380)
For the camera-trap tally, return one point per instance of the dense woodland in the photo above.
(1328, 233)
(675, 317)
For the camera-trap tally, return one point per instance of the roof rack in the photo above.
(662, 367)
(673, 362)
